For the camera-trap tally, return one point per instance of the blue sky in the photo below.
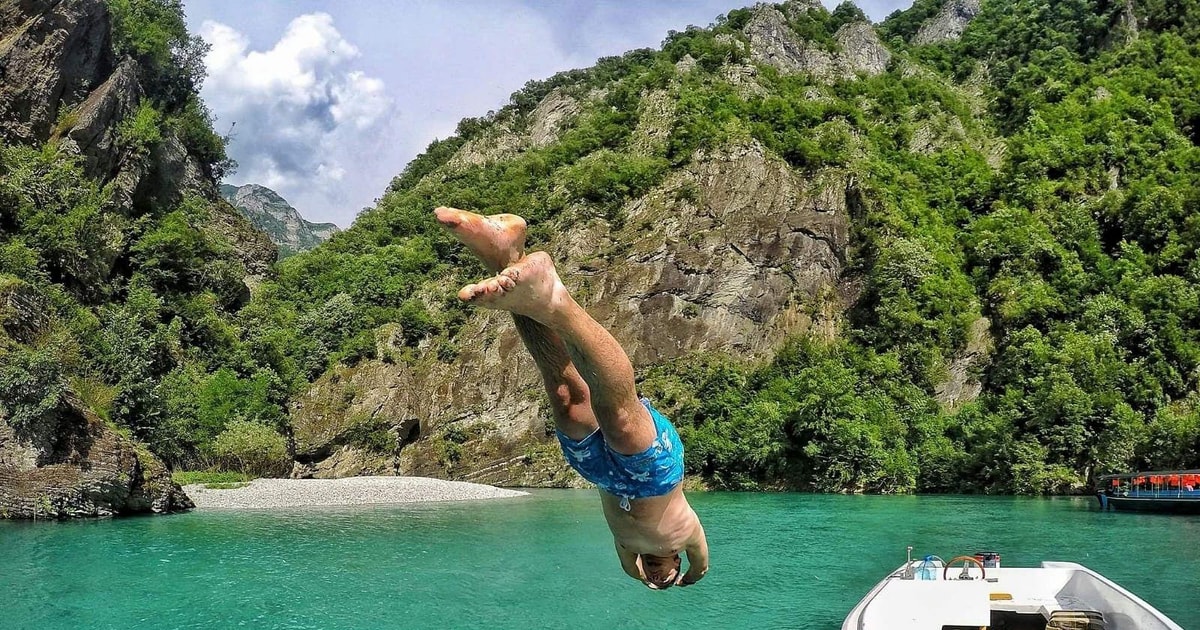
(328, 100)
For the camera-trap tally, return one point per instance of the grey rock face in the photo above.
(93, 135)
(79, 466)
(24, 313)
(774, 43)
(52, 54)
(962, 384)
(862, 52)
(277, 218)
(949, 23)
(755, 256)
(550, 117)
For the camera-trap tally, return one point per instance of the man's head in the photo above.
(660, 571)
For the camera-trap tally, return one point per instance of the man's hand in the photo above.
(697, 555)
(629, 563)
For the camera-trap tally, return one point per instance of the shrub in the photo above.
(142, 131)
(607, 177)
(31, 387)
(251, 448)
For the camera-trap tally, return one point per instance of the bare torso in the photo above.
(660, 526)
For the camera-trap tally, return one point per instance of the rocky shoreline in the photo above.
(290, 493)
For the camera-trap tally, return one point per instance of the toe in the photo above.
(467, 293)
(446, 216)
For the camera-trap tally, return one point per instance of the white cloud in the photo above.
(300, 114)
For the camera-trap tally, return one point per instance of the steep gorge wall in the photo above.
(62, 85)
(732, 253)
(61, 82)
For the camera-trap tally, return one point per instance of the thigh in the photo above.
(631, 432)
(575, 421)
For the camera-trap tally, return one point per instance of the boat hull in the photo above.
(1160, 504)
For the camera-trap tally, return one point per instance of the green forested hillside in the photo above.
(1029, 220)
(1077, 243)
(120, 276)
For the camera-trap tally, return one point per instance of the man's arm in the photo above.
(629, 563)
(697, 555)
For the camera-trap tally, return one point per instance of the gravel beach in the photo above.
(287, 493)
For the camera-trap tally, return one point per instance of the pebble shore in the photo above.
(288, 493)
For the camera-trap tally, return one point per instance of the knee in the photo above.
(561, 397)
(568, 403)
(628, 432)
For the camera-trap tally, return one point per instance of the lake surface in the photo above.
(546, 561)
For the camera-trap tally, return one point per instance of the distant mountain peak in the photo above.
(272, 214)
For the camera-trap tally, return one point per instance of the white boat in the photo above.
(930, 594)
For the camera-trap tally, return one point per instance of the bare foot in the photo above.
(498, 240)
(530, 287)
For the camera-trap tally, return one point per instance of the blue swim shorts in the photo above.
(653, 472)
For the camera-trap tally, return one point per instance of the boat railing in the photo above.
(1173, 484)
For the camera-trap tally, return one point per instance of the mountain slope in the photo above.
(269, 212)
(119, 263)
(952, 252)
(842, 265)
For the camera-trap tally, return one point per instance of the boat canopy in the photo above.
(1158, 477)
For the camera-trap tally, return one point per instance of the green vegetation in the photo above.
(1040, 176)
(133, 310)
(31, 386)
(1080, 250)
(170, 63)
(251, 448)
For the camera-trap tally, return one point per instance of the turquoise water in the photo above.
(546, 561)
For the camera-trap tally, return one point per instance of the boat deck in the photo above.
(1008, 598)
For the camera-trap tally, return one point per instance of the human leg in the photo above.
(570, 399)
(499, 241)
(531, 287)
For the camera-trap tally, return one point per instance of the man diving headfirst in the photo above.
(609, 435)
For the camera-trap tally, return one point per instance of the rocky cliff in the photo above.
(274, 216)
(61, 81)
(66, 461)
(949, 23)
(76, 465)
(63, 87)
(773, 42)
(733, 252)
